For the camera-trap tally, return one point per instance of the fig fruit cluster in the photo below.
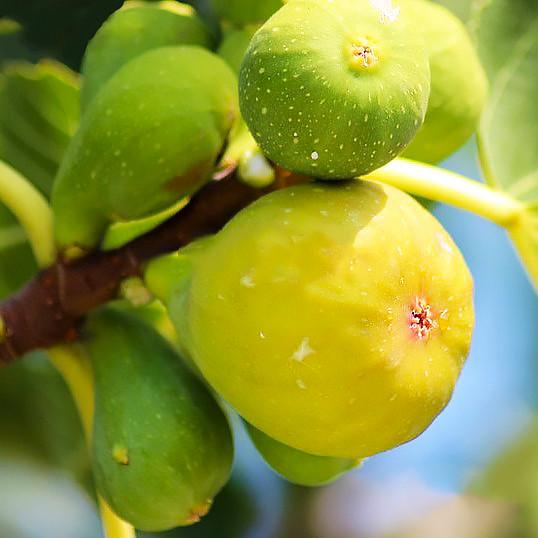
(334, 317)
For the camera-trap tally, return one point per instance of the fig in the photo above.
(161, 446)
(334, 89)
(459, 85)
(151, 136)
(234, 46)
(340, 325)
(242, 152)
(244, 12)
(132, 30)
(296, 466)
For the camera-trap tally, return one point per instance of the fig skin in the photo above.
(309, 328)
(459, 84)
(132, 30)
(150, 137)
(334, 90)
(296, 466)
(244, 12)
(161, 445)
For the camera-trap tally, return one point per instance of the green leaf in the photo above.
(39, 112)
(513, 477)
(17, 262)
(12, 45)
(507, 38)
(38, 419)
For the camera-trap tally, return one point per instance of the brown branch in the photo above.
(48, 310)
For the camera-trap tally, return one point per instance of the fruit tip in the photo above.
(198, 512)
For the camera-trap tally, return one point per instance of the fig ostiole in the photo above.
(151, 137)
(459, 85)
(335, 89)
(347, 312)
(296, 466)
(161, 445)
(132, 30)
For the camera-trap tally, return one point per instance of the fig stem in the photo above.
(32, 210)
(451, 188)
(75, 368)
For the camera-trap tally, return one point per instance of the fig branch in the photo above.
(49, 309)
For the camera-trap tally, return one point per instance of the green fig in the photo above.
(242, 152)
(296, 466)
(334, 89)
(234, 46)
(151, 137)
(459, 85)
(244, 12)
(132, 30)
(162, 447)
(341, 324)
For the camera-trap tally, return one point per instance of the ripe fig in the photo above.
(340, 325)
(243, 12)
(149, 138)
(296, 466)
(132, 30)
(334, 89)
(458, 83)
(162, 447)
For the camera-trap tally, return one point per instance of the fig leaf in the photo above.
(507, 36)
(39, 112)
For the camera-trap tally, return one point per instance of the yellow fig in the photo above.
(335, 317)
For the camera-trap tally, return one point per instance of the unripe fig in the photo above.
(296, 466)
(132, 30)
(334, 89)
(458, 83)
(243, 12)
(340, 325)
(242, 151)
(151, 136)
(234, 46)
(162, 447)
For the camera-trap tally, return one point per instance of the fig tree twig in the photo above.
(48, 310)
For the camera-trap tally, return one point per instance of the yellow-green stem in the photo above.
(74, 366)
(32, 210)
(442, 185)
